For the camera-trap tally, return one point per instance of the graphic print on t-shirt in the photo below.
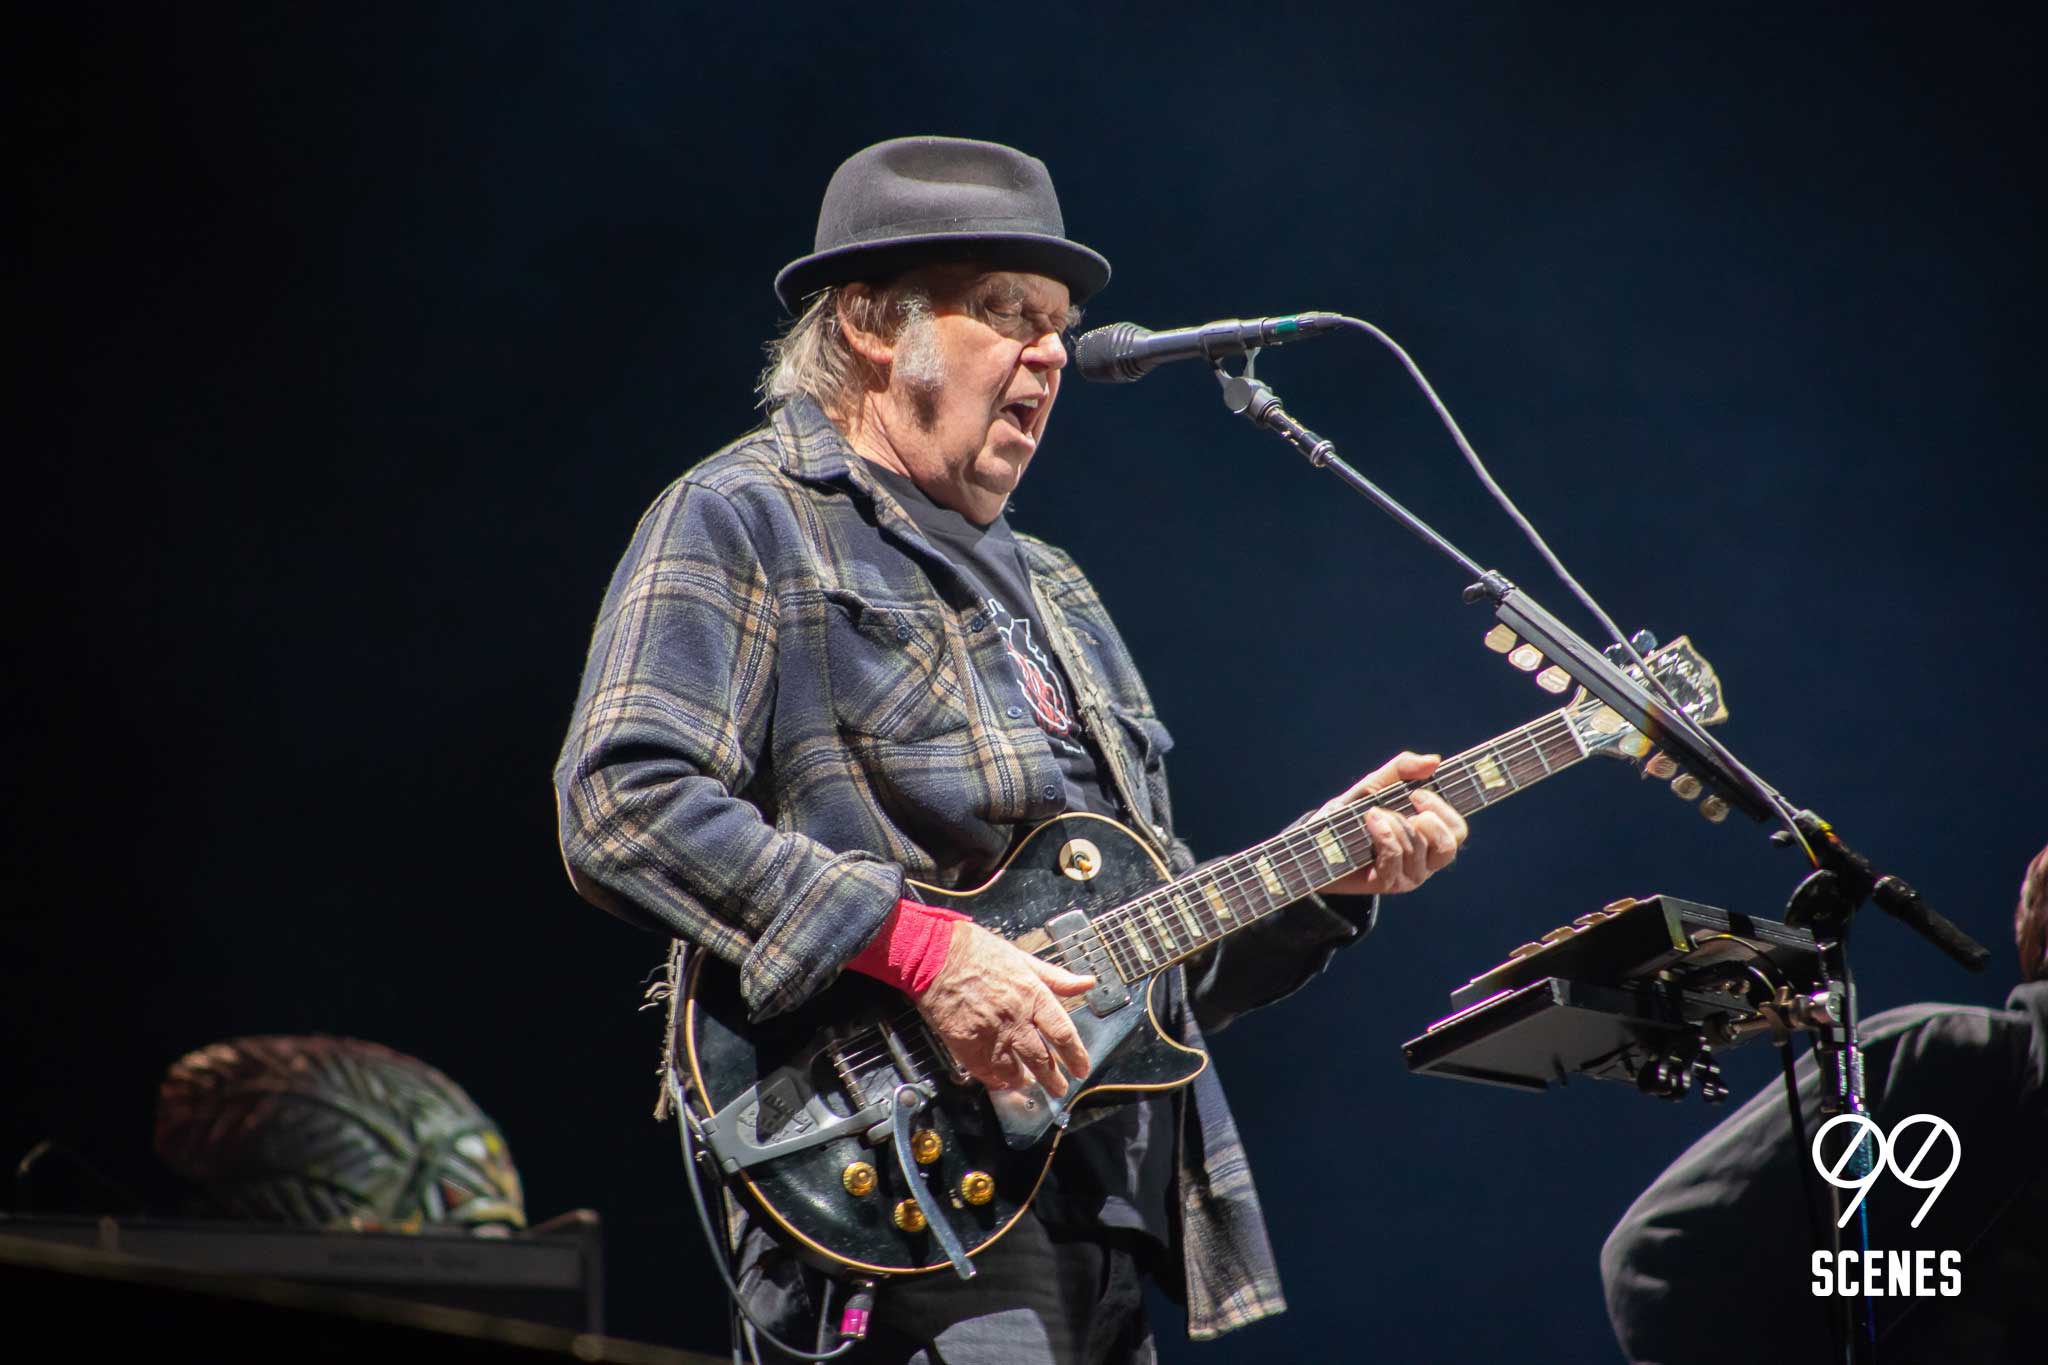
(1036, 672)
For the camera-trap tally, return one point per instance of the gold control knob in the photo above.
(977, 1187)
(925, 1146)
(859, 1179)
(909, 1216)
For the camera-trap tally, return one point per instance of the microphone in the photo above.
(1124, 351)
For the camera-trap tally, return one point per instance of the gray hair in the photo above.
(813, 358)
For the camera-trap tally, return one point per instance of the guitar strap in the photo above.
(1096, 713)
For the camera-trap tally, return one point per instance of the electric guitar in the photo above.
(853, 1130)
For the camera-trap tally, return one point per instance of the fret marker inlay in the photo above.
(1333, 852)
(1216, 900)
(1170, 922)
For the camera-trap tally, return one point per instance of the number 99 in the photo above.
(1888, 1148)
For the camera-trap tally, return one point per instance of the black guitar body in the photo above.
(795, 1108)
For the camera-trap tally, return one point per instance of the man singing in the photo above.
(826, 664)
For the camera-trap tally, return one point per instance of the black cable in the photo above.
(1697, 732)
(1762, 967)
(824, 1307)
(716, 1242)
(1814, 1231)
(1799, 1137)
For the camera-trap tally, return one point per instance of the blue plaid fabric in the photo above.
(785, 712)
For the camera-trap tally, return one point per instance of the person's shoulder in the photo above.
(736, 494)
(1959, 1057)
(1901, 1020)
(1936, 1025)
(1051, 563)
(741, 471)
(745, 475)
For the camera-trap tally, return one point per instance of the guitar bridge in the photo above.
(936, 1045)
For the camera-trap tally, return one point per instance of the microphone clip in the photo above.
(1243, 394)
(1254, 400)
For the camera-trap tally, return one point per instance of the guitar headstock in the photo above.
(1686, 675)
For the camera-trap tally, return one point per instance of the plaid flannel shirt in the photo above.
(787, 709)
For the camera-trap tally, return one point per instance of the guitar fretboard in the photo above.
(1186, 915)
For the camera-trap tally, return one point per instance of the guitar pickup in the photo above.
(1083, 951)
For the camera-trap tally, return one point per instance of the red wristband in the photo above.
(910, 947)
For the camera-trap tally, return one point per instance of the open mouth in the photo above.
(1022, 413)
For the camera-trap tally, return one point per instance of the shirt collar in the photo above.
(813, 450)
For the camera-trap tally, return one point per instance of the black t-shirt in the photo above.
(1117, 1165)
(991, 560)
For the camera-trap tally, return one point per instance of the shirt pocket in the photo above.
(891, 670)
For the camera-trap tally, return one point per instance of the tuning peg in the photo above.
(1553, 679)
(1645, 643)
(1500, 639)
(1715, 809)
(1686, 787)
(1616, 655)
(1528, 658)
(1661, 766)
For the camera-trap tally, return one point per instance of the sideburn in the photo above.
(919, 362)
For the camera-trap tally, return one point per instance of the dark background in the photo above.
(357, 338)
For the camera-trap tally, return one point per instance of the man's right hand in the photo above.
(998, 1008)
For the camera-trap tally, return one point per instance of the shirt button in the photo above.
(1050, 791)
(1015, 712)
(903, 632)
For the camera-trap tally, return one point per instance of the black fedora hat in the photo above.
(914, 200)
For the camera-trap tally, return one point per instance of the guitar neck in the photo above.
(1188, 914)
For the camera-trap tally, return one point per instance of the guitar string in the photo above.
(1239, 868)
(1512, 749)
(1231, 876)
(1295, 846)
(1509, 751)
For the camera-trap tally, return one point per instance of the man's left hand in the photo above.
(1407, 849)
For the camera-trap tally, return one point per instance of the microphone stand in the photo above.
(1825, 900)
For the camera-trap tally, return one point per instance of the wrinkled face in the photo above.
(972, 386)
